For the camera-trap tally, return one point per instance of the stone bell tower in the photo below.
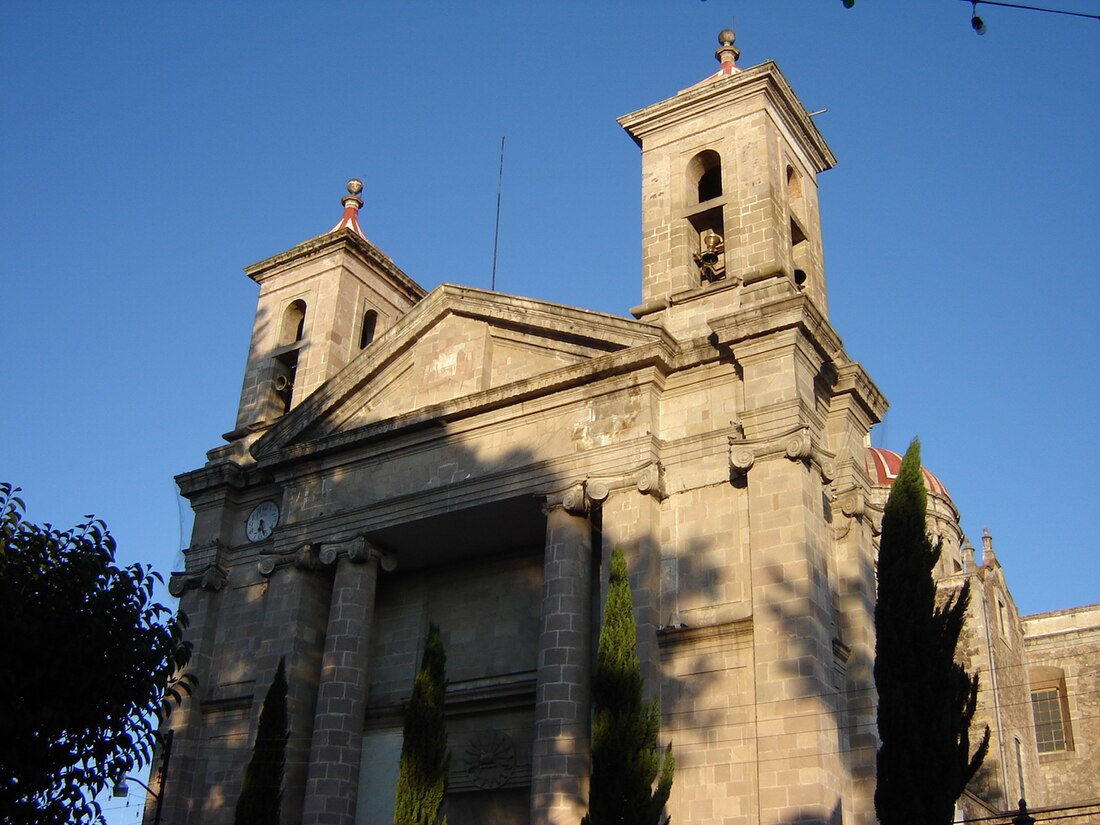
(320, 303)
(729, 195)
(732, 262)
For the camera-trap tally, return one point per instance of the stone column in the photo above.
(336, 748)
(560, 758)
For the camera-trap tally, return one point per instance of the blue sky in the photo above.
(150, 150)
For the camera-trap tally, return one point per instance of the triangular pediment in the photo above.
(457, 346)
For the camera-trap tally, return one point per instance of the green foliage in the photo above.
(926, 699)
(262, 789)
(625, 756)
(87, 661)
(422, 774)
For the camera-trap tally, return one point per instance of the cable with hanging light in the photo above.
(978, 25)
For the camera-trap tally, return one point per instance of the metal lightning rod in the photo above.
(496, 231)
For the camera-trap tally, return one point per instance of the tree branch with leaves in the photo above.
(89, 662)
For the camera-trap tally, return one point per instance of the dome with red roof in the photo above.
(883, 466)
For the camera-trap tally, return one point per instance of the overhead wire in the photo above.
(1033, 8)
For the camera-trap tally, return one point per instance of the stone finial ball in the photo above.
(355, 186)
(726, 37)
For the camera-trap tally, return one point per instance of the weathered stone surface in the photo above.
(474, 460)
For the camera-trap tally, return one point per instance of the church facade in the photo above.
(470, 459)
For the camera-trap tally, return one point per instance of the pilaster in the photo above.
(185, 785)
(854, 405)
(798, 713)
(784, 347)
(631, 520)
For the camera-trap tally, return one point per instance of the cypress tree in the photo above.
(625, 756)
(422, 771)
(262, 789)
(926, 698)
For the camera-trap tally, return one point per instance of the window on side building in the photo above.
(1051, 732)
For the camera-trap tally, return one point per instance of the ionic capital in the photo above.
(303, 557)
(796, 444)
(741, 459)
(357, 550)
(213, 577)
(651, 481)
(574, 500)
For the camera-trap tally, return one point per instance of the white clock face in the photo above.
(262, 521)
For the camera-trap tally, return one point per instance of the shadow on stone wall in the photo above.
(452, 513)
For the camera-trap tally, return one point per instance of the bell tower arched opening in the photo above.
(367, 330)
(294, 323)
(800, 246)
(704, 192)
(704, 174)
(291, 337)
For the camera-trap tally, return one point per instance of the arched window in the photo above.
(704, 173)
(370, 323)
(294, 323)
(794, 184)
(799, 247)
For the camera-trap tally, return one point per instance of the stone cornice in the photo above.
(789, 312)
(221, 474)
(608, 332)
(514, 690)
(600, 331)
(729, 632)
(853, 380)
(706, 290)
(764, 80)
(658, 355)
(541, 479)
(741, 330)
(343, 240)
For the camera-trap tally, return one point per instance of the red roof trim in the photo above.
(883, 466)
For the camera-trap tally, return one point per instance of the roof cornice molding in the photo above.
(341, 240)
(763, 80)
(273, 451)
(223, 474)
(787, 312)
(608, 332)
